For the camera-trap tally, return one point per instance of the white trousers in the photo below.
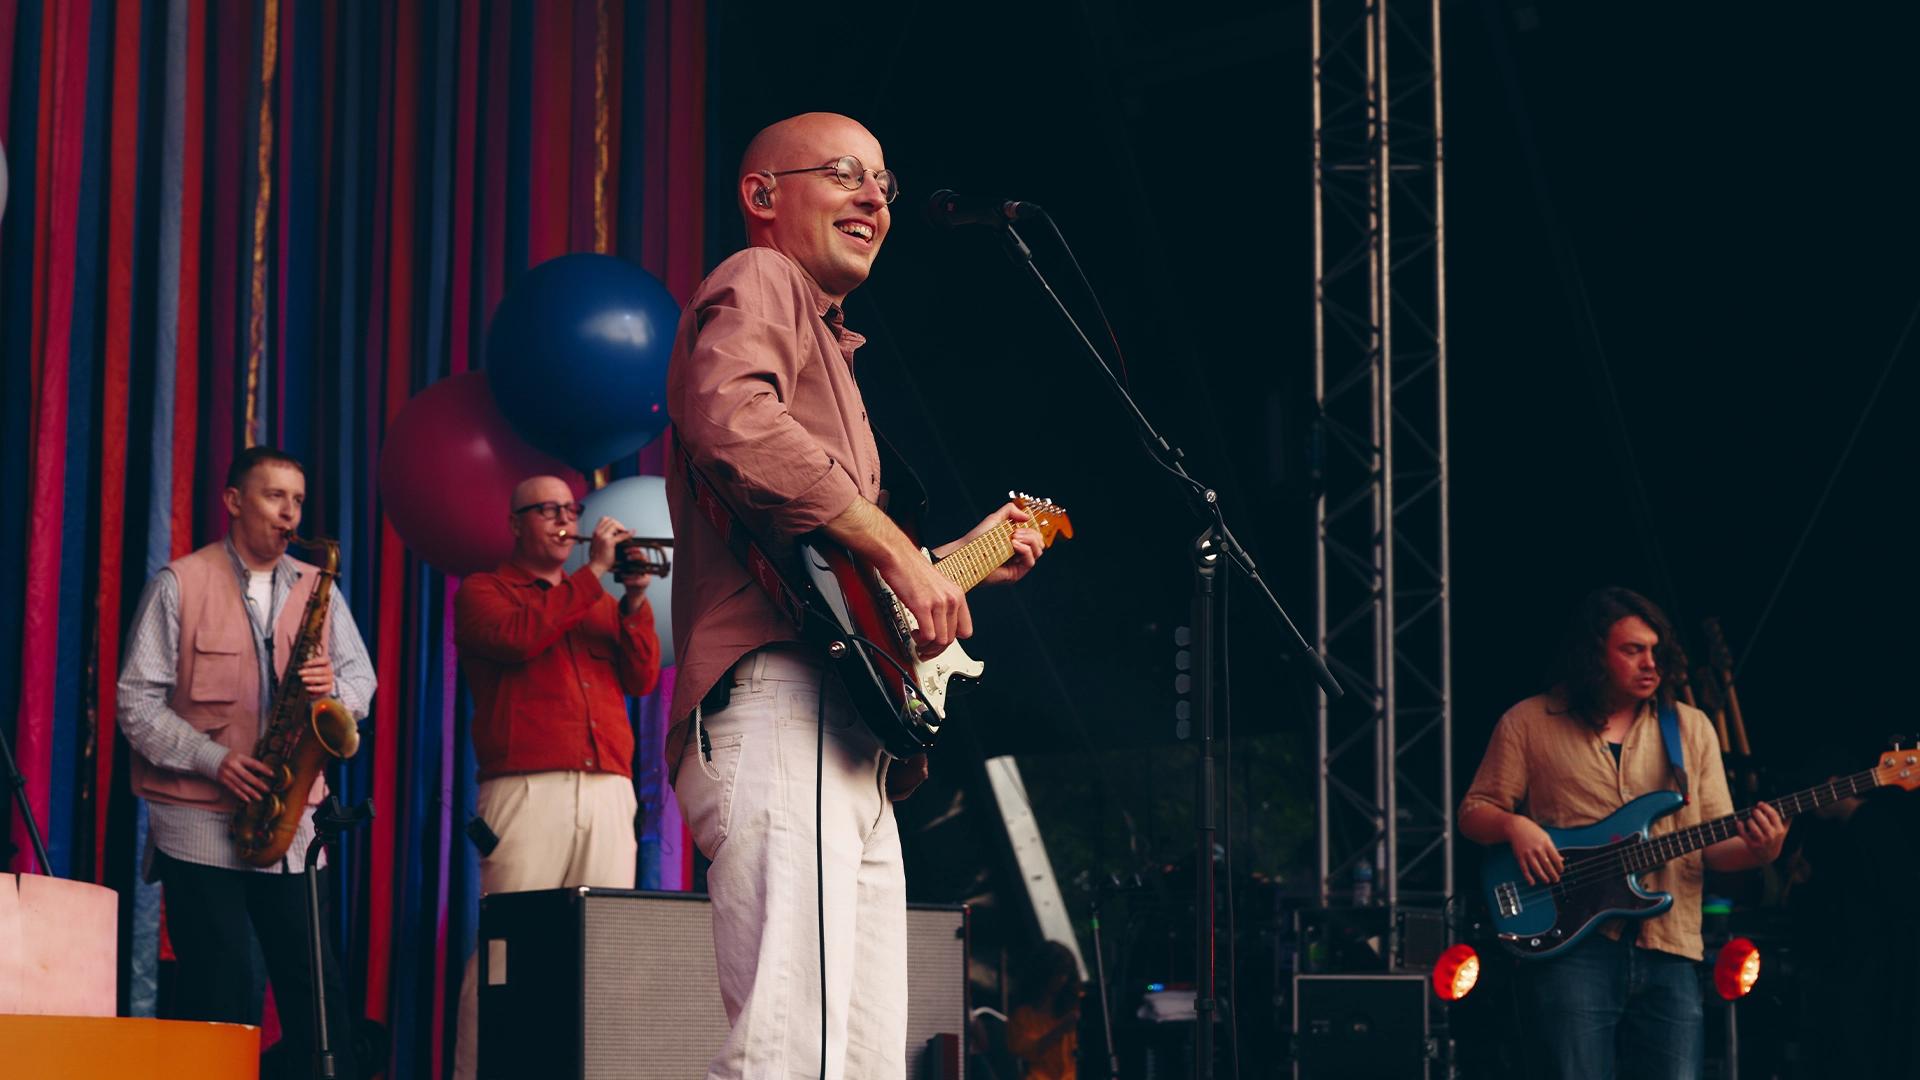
(557, 830)
(750, 807)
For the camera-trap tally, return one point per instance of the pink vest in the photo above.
(217, 688)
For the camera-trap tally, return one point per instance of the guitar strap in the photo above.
(786, 599)
(1676, 754)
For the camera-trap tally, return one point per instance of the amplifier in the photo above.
(604, 983)
(1361, 1027)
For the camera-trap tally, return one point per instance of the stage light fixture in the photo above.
(1456, 973)
(1737, 968)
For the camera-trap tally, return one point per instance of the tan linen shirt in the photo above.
(761, 392)
(1556, 769)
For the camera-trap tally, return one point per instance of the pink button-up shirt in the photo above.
(762, 394)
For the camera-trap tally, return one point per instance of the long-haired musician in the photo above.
(1625, 1000)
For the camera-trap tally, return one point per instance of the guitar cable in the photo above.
(871, 648)
(820, 852)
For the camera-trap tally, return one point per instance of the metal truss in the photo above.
(1382, 613)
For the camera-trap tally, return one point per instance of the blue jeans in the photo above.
(1609, 1008)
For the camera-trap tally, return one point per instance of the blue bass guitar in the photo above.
(1603, 862)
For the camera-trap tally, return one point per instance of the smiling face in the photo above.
(834, 234)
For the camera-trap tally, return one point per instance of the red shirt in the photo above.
(550, 667)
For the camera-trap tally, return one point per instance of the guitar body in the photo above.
(1540, 921)
(904, 700)
(845, 607)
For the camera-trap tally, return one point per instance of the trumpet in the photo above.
(638, 555)
(635, 554)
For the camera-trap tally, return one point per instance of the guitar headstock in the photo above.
(1900, 766)
(1049, 519)
(1718, 654)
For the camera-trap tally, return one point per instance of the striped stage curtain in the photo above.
(274, 221)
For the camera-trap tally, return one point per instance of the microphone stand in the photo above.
(329, 820)
(19, 785)
(1213, 543)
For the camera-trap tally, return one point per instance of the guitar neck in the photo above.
(982, 555)
(1664, 849)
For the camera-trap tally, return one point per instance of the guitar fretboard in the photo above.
(982, 555)
(1664, 849)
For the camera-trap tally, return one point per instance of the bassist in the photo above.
(1624, 1001)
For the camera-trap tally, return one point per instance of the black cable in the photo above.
(820, 853)
(1839, 466)
(1086, 285)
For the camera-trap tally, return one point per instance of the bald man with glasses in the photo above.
(763, 743)
(550, 658)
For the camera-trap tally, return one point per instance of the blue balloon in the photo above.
(639, 503)
(577, 357)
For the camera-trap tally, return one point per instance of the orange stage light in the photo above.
(1456, 973)
(1737, 968)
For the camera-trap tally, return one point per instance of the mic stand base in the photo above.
(1206, 562)
(328, 821)
(1100, 977)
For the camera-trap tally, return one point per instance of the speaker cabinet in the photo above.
(1361, 1027)
(613, 983)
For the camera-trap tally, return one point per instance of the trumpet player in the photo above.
(550, 658)
(211, 638)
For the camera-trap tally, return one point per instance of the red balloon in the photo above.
(448, 469)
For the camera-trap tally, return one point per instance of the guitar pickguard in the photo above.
(930, 674)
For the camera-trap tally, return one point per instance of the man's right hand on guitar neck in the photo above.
(939, 606)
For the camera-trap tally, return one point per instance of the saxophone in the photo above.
(297, 736)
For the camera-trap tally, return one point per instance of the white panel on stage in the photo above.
(59, 946)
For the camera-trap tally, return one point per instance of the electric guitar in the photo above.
(1600, 878)
(902, 697)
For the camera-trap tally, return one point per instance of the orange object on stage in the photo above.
(128, 1048)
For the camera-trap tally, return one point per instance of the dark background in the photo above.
(1705, 207)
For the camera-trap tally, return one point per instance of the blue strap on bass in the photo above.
(1676, 753)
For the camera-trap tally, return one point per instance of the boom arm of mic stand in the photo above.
(1169, 457)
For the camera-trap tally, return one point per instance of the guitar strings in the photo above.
(1613, 863)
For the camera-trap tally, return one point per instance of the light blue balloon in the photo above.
(639, 503)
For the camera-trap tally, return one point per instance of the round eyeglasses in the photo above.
(850, 174)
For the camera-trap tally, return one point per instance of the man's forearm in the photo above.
(868, 532)
(1731, 855)
(1484, 824)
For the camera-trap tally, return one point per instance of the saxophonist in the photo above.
(212, 635)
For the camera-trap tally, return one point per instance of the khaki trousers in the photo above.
(557, 830)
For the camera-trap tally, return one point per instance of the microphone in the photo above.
(947, 210)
